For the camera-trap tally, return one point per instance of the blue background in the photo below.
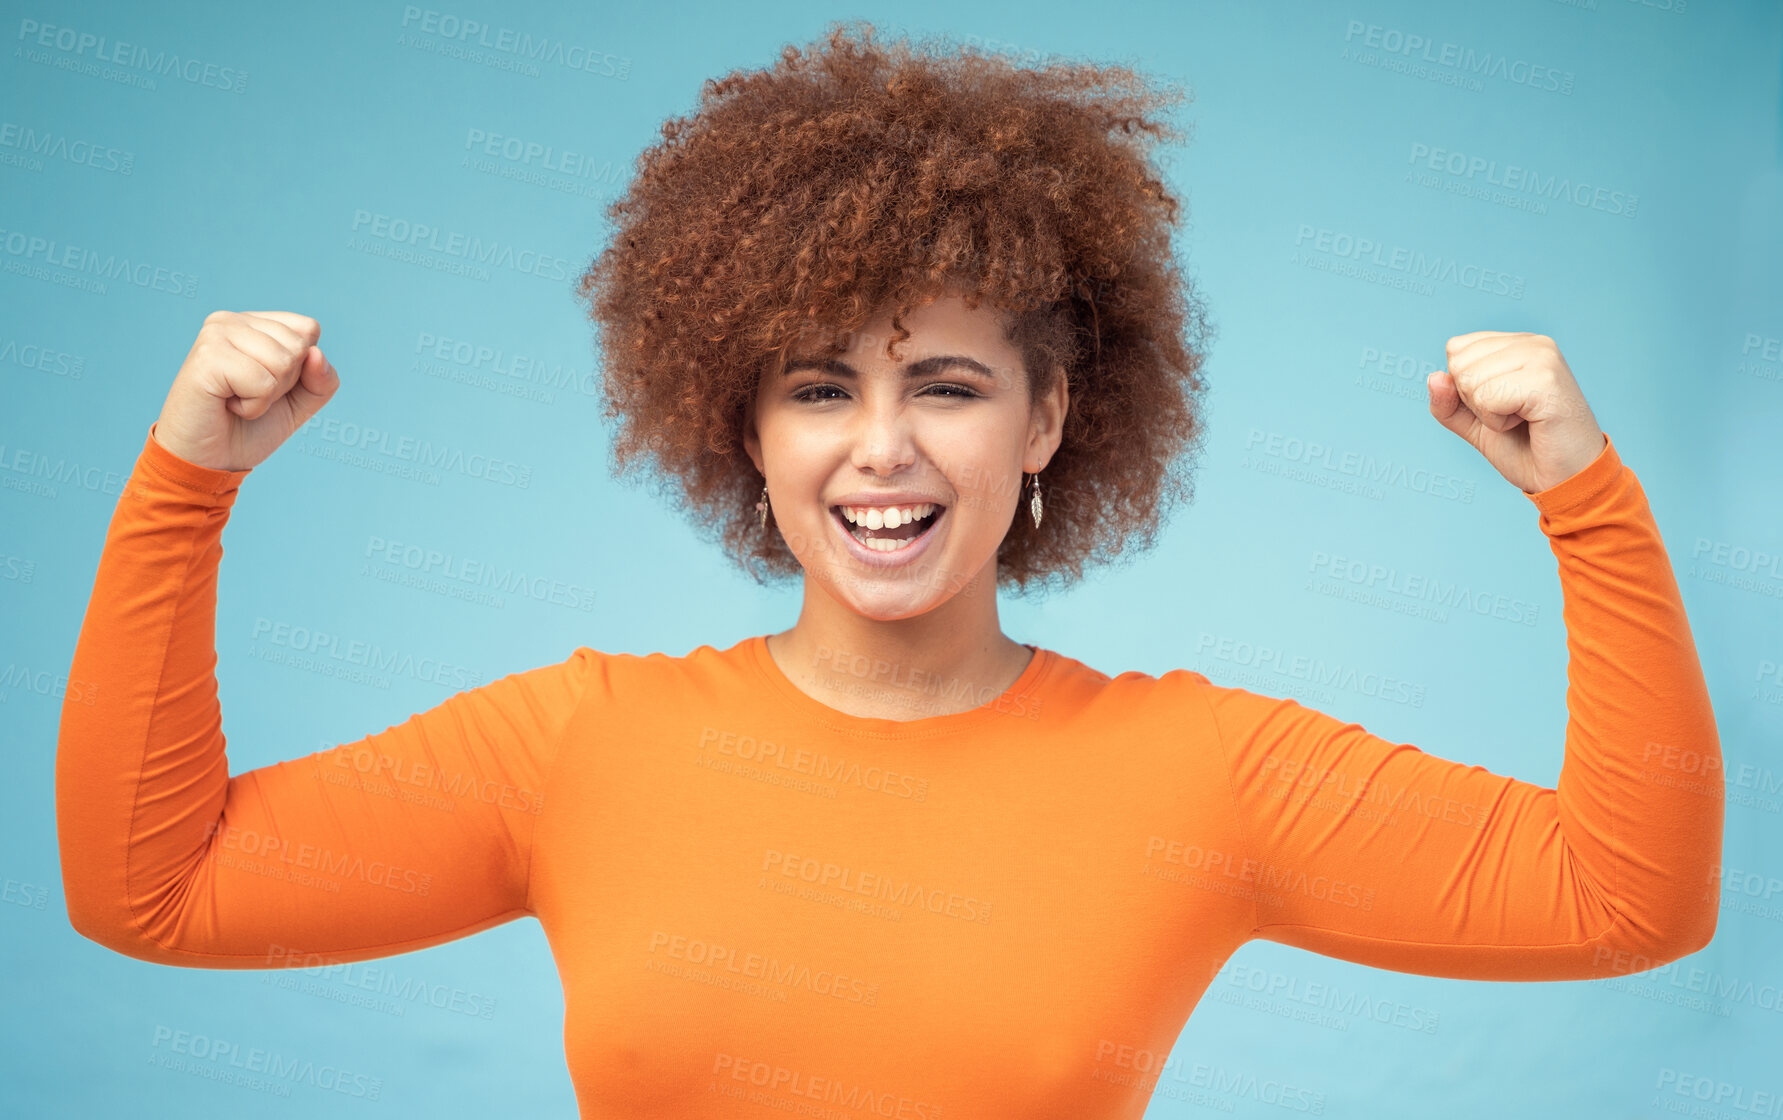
(1665, 295)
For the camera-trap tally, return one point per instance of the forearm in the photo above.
(141, 773)
(1640, 791)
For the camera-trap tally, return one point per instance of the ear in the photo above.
(1047, 429)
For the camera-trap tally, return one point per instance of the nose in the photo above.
(883, 440)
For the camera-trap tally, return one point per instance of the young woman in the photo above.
(907, 326)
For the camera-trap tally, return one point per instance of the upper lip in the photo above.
(880, 501)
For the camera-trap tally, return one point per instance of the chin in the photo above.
(894, 614)
(887, 603)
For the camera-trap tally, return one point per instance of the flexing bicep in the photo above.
(413, 836)
(1378, 852)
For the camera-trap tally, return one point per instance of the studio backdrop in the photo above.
(1362, 181)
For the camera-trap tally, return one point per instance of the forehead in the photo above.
(944, 323)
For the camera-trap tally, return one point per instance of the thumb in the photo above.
(1446, 406)
(315, 385)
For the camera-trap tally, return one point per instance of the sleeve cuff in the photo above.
(1583, 487)
(188, 476)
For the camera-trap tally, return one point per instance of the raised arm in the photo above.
(1376, 852)
(406, 838)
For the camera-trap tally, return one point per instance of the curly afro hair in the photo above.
(854, 177)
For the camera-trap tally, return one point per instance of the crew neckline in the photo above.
(1038, 667)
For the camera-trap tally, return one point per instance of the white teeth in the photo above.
(886, 517)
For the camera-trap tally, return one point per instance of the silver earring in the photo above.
(1034, 506)
(761, 505)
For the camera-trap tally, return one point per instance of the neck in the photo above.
(952, 658)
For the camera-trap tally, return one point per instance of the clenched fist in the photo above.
(1513, 397)
(251, 379)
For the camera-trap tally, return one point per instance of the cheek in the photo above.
(987, 479)
(800, 466)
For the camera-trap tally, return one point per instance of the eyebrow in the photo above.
(920, 368)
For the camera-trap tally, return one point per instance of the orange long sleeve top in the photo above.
(752, 897)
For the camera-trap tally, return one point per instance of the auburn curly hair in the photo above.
(854, 177)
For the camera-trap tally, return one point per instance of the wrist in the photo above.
(188, 458)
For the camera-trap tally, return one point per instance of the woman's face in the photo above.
(948, 425)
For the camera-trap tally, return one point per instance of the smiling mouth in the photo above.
(889, 540)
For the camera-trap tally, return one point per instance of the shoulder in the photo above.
(1178, 693)
(1137, 681)
(1074, 683)
(705, 669)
